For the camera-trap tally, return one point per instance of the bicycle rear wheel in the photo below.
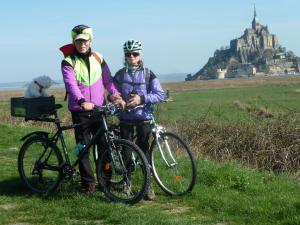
(39, 163)
(176, 175)
(123, 172)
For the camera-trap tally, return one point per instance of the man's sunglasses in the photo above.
(134, 54)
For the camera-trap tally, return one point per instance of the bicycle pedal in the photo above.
(69, 172)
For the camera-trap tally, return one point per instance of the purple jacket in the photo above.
(79, 92)
(151, 92)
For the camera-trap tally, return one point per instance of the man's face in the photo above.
(82, 45)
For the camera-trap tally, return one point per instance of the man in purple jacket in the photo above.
(86, 76)
(138, 85)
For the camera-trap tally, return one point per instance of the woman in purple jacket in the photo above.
(138, 85)
(86, 76)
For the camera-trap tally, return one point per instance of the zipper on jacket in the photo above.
(90, 87)
(89, 70)
(132, 74)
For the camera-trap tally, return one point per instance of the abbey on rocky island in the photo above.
(256, 52)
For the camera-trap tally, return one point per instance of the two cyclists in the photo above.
(86, 76)
(122, 169)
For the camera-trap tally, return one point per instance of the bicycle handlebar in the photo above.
(112, 109)
(134, 108)
(109, 109)
(145, 105)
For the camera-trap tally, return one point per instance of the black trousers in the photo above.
(83, 134)
(143, 131)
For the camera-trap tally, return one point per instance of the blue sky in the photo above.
(177, 36)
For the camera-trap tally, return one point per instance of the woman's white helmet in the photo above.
(132, 46)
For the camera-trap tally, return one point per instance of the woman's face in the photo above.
(132, 58)
(82, 46)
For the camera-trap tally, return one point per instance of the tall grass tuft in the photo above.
(272, 144)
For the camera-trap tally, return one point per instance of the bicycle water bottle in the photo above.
(78, 149)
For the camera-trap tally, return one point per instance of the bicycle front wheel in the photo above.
(39, 163)
(123, 172)
(173, 164)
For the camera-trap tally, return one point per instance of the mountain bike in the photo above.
(171, 160)
(42, 166)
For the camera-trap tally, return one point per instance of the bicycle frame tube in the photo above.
(59, 134)
(103, 130)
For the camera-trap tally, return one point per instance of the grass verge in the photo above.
(225, 193)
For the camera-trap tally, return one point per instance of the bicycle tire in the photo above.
(39, 162)
(121, 177)
(179, 178)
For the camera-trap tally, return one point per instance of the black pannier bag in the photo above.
(31, 108)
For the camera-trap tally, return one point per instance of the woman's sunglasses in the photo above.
(134, 54)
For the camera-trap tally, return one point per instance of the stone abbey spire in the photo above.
(255, 22)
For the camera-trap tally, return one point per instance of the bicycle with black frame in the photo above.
(42, 165)
(172, 163)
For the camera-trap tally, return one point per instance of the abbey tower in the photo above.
(254, 39)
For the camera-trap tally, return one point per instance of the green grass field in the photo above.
(218, 104)
(225, 192)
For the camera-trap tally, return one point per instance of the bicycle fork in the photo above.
(172, 162)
